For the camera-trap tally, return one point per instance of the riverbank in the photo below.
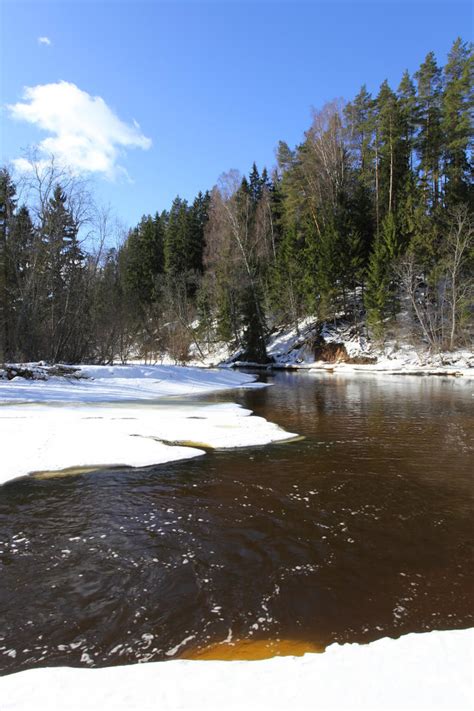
(418, 671)
(385, 367)
(133, 416)
(343, 348)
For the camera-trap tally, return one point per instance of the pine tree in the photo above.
(360, 121)
(408, 111)
(429, 141)
(458, 102)
(360, 118)
(393, 167)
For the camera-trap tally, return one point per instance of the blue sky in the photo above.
(213, 85)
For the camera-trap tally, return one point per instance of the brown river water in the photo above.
(361, 530)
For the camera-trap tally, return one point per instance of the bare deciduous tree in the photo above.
(459, 247)
(442, 302)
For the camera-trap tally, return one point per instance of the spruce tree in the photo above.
(7, 207)
(26, 273)
(177, 240)
(286, 277)
(380, 296)
(64, 265)
(197, 220)
(144, 260)
(254, 184)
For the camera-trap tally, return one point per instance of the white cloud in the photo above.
(44, 40)
(86, 134)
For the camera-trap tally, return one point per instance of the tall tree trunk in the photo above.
(377, 212)
(390, 189)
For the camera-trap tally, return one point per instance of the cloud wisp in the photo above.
(85, 134)
(45, 40)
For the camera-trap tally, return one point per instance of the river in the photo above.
(360, 530)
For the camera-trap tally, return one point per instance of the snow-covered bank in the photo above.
(417, 671)
(54, 424)
(347, 350)
(292, 348)
(121, 383)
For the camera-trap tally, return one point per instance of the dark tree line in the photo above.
(371, 214)
(44, 303)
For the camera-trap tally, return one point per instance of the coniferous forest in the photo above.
(371, 214)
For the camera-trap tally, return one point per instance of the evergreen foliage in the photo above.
(373, 208)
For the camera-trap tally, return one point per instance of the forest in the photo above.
(370, 214)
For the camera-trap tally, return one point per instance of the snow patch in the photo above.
(53, 425)
(418, 671)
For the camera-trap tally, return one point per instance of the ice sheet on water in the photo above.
(93, 427)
